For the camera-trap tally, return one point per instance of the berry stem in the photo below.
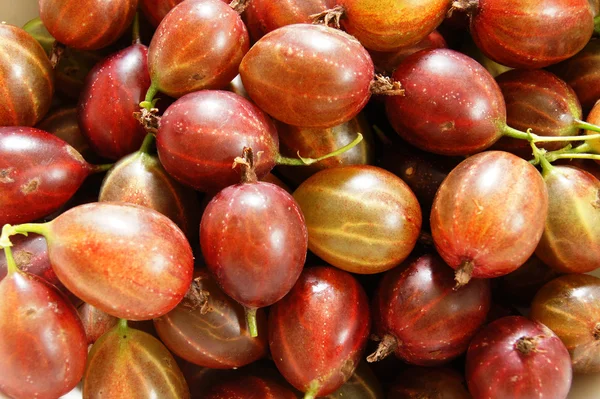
(147, 143)
(148, 102)
(135, 29)
(540, 157)
(518, 134)
(11, 266)
(37, 228)
(101, 168)
(123, 324)
(586, 125)
(251, 320)
(312, 390)
(300, 161)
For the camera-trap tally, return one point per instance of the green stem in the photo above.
(312, 390)
(515, 134)
(587, 126)
(300, 161)
(135, 28)
(541, 157)
(585, 147)
(37, 228)
(102, 168)
(11, 266)
(251, 320)
(123, 324)
(148, 101)
(518, 134)
(569, 155)
(147, 143)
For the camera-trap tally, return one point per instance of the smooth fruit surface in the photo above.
(43, 346)
(532, 33)
(318, 331)
(198, 45)
(128, 261)
(570, 306)
(479, 218)
(451, 104)
(573, 221)
(27, 82)
(360, 218)
(517, 358)
(38, 173)
(63, 124)
(254, 241)
(209, 329)
(87, 24)
(336, 74)
(388, 25)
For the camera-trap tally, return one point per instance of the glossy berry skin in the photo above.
(87, 24)
(27, 80)
(317, 333)
(198, 45)
(479, 215)
(140, 179)
(202, 133)
(95, 322)
(524, 35)
(438, 322)
(314, 142)
(346, 233)
(429, 383)
(128, 261)
(537, 100)
(43, 347)
(38, 173)
(570, 306)
(63, 124)
(451, 105)
(254, 241)
(582, 73)
(264, 16)
(213, 334)
(387, 62)
(119, 82)
(496, 368)
(572, 222)
(388, 25)
(129, 363)
(333, 89)
(156, 10)
(250, 387)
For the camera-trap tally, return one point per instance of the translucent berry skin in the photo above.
(318, 332)
(451, 105)
(333, 89)
(87, 24)
(119, 82)
(43, 347)
(388, 25)
(198, 45)
(202, 133)
(497, 369)
(27, 80)
(254, 241)
(38, 174)
(482, 194)
(523, 36)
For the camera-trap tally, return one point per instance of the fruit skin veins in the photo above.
(489, 211)
(43, 347)
(129, 363)
(318, 331)
(333, 89)
(496, 369)
(254, 241)
(202, 133)
(38, 173)
(360, 218)
(569, 306)
(27, 78)
(532, 33)
(573, 221)
(451, 104)
(119, 82)
(87, 24)
(432, 322)
(388, 25)
(264, 16)
(198, 45)
(213, 334)
(126, 260)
